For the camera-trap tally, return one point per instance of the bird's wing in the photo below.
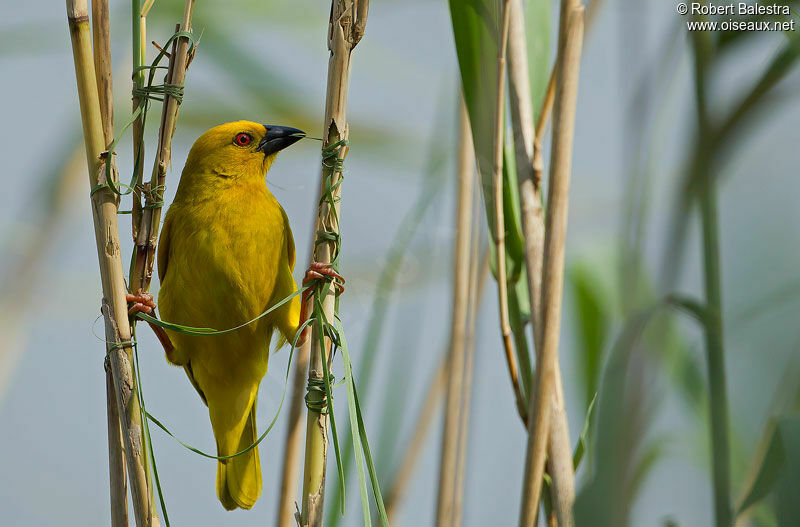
(289, 239)
(163, 247)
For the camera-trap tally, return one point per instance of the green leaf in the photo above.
(358, 429)
(512, 216)
(592, 313)
(475, 29)
(693, 307)
(580, 448)
(518, 322)
(727, 39)
(354, 430)
(779, 472)
(537, 29)
(771, 464)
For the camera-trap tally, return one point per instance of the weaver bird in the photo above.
(226, 255)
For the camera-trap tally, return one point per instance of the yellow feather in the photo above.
(226, 255)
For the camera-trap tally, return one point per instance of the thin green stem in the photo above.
(720, 440)
(709, 218)
(520, 339)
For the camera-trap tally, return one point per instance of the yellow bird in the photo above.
(226, 255)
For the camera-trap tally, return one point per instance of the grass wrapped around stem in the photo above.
(346, 27)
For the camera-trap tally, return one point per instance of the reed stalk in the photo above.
(715, 351)
(559, 462)
(499, 234)
(549, 96)
(448, 501)
(479, 270)
(145, 234)
(719, 422)
(294, 436)
(118, 485)
(101, 42)
(542, 394)
(346, 27)
(139, 52)
(104, 214)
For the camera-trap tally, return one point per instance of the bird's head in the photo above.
(241, 148)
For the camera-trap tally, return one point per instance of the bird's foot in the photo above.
(316, 271)
(324, 271)
(143, 303)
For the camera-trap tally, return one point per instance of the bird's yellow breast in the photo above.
(225, 252)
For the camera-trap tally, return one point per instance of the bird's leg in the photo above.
(143, 302)
(316, 271)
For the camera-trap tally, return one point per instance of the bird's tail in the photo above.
(239, 478)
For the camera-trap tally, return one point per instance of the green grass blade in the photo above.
(354, 429)
(592, 314)
(537, 29)
(580, 448)
(768, 472)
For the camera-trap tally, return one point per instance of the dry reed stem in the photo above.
(547, 103)
(294, 436)
(447, 501)
(101, 40)
(118, 487)
(104, 213)
(346, 27)
(476, 278)
(499, 234)
(146, 232)
(559, 463)
(118, 484)
(138, 29)
(570, 42)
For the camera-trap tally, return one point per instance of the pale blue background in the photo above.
(53, 468)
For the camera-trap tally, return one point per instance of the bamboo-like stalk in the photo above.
(101, 41)
(346, 27)
(146, 219)
(447, 501)
(118, 485)
(294, 436)
(559, 463)
(104, 214)
(570, 42)
(719, 421)
(499, 234)
(146, 233)
(547, 103)
(139, 48)
(479, 270)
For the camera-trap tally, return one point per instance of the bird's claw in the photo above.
(142, 303)
(324, 271)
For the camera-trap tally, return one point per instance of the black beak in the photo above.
(279, 137)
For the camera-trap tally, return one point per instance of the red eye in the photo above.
(243, 139)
